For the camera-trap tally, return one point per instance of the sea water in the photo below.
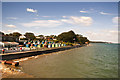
(97, 60)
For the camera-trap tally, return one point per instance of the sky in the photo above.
(98, 21)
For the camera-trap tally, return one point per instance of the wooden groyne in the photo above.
(18, 55)
(10, 62)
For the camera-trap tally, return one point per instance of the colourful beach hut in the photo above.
(49, 45)
(56, 45)
(53, 45)
(38, 46)
(59, 45)
(28, 45)
(35, 45)
(62, 44)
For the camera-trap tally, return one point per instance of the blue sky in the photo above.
(95, 20)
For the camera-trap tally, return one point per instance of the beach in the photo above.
(9, 71)
(82, 62)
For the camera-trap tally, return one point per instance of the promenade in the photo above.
(18, 55)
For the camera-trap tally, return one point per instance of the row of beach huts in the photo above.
(44, 43)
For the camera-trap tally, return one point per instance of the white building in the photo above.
(9, 44)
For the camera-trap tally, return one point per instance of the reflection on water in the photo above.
(96, 60)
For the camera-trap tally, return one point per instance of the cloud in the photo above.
(11, 31)
(11, 26)
(103, 13)
(14, 18)
(42, 23)
(64, 16)
(31, 10)
(84, 21)
(46, 16)
(115, 20)
(72, 20)
(16, 31)
(84, 11)
(103, 35)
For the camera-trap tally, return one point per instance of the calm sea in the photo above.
(97, 60)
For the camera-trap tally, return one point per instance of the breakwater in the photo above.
(19, 55)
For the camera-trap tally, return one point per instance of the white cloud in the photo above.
(72, 20)
(103, 13)
(104, 35)
(10, 25)
(31, 10)
(42, 23)
(11, 31)
(16, 31)
(84, 11)
(115, 19)
(64, 16)
(84, 21)
(14, 18)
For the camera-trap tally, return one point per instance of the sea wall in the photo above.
(19, 55)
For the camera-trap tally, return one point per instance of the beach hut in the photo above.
(35, 45)
(27, 45)
(53, 45)
(45, 45)
(38, 42)
(38, 46)
(62, 44)
(49, 45)
(59, 45)
(42, 42)
(56, 45)
(31, 45)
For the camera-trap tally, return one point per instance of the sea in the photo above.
(96, 60)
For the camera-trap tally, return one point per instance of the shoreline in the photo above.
(10, 72)
(23, 54)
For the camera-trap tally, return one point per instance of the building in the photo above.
(9, 44)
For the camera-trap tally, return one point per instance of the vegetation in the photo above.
(71, 37)
(15, 34)
(66, 37)
(30, 36)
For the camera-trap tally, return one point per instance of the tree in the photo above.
(82, 39)
(72, 37)
(1, 33)
(29, 36)
(67, 36)
(16, 34)
(41, 35)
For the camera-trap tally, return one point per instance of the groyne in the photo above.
(18, 55)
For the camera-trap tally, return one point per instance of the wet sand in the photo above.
(9, 71)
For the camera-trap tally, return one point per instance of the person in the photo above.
(20, 48)
(3, 51)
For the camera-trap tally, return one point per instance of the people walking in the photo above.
(3, 51)
(20, 48)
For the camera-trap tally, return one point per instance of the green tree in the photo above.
(29, 36)
(67, 37)
(41, 35)
(16, 34)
